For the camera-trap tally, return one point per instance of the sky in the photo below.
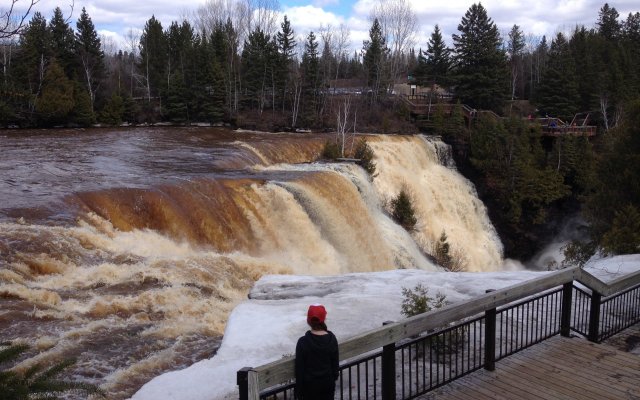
(265, 327)
(114, 18)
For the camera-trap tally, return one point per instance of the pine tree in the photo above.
(480, 62)
(374, 61)
(310, 70)
(286, 50)
(617, 183)
(180, 68)
(259, 57)
(437, 60)
(442, 251)
(515, 46)
(32, 60)
(56, 99)
(113, 111)
(153, 56)
(176, 105)
(402, 210)
(82, 114)
(608, 25)
(557, 94)
(90, 55)
(63, 43)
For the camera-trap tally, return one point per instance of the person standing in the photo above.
(316, 359)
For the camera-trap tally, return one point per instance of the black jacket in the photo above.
(316, 366)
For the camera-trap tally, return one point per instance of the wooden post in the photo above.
(247, 381)
(490, 338)
(594, 317)
(388, 369)
(565, 317)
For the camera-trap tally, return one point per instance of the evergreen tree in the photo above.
(153, 55)
(557, 94)
(224, 45)
(515, 47)
(90, 55)
(130, 109)
(402, 210)
(618, 184)
(310, 70)
(82, 114)
(585, 48)
(438, 61)
(208, 97)
(63, 43)
(374, 61)
(512, 162)
(480, 63)
(113, 111)
(608, 25)
(176, 105)
(32, 59)
(286, 50)
(631, 28)
(56, 100)
(259, 57)
(442, 251)
(180, 68)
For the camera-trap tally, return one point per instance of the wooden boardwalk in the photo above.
(558, 368)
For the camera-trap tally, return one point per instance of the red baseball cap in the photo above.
(316, 313)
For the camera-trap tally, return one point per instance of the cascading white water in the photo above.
(444, 200)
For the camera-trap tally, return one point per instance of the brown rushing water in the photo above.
(111, 243)
(128, 248)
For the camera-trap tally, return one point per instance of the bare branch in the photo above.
(11, 23)
(71, 6)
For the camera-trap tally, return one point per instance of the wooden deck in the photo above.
(556, 369)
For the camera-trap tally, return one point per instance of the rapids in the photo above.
(127, 249)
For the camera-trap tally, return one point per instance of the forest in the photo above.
(231, 64)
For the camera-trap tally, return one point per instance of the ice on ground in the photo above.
(266, 327)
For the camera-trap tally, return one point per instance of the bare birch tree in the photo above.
(345, 122)
(399, 24)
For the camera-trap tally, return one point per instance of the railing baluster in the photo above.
(594, 317)
(490, 340)
(389, 372)
(565, 319)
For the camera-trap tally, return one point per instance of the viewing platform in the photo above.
(422, 107)
(540, 339)
(557, 369)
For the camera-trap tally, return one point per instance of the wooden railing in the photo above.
(585, 318)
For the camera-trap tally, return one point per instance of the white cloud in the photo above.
(324, 3)
(309, 18)
(534, 17)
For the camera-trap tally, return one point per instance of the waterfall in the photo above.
(151, 272)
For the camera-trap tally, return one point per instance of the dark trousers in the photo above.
(318, 390)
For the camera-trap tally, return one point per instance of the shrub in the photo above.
(364, 153)
(417, 301)
(577, 253)
(450, 259)
(402, 210)
(331, 151)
